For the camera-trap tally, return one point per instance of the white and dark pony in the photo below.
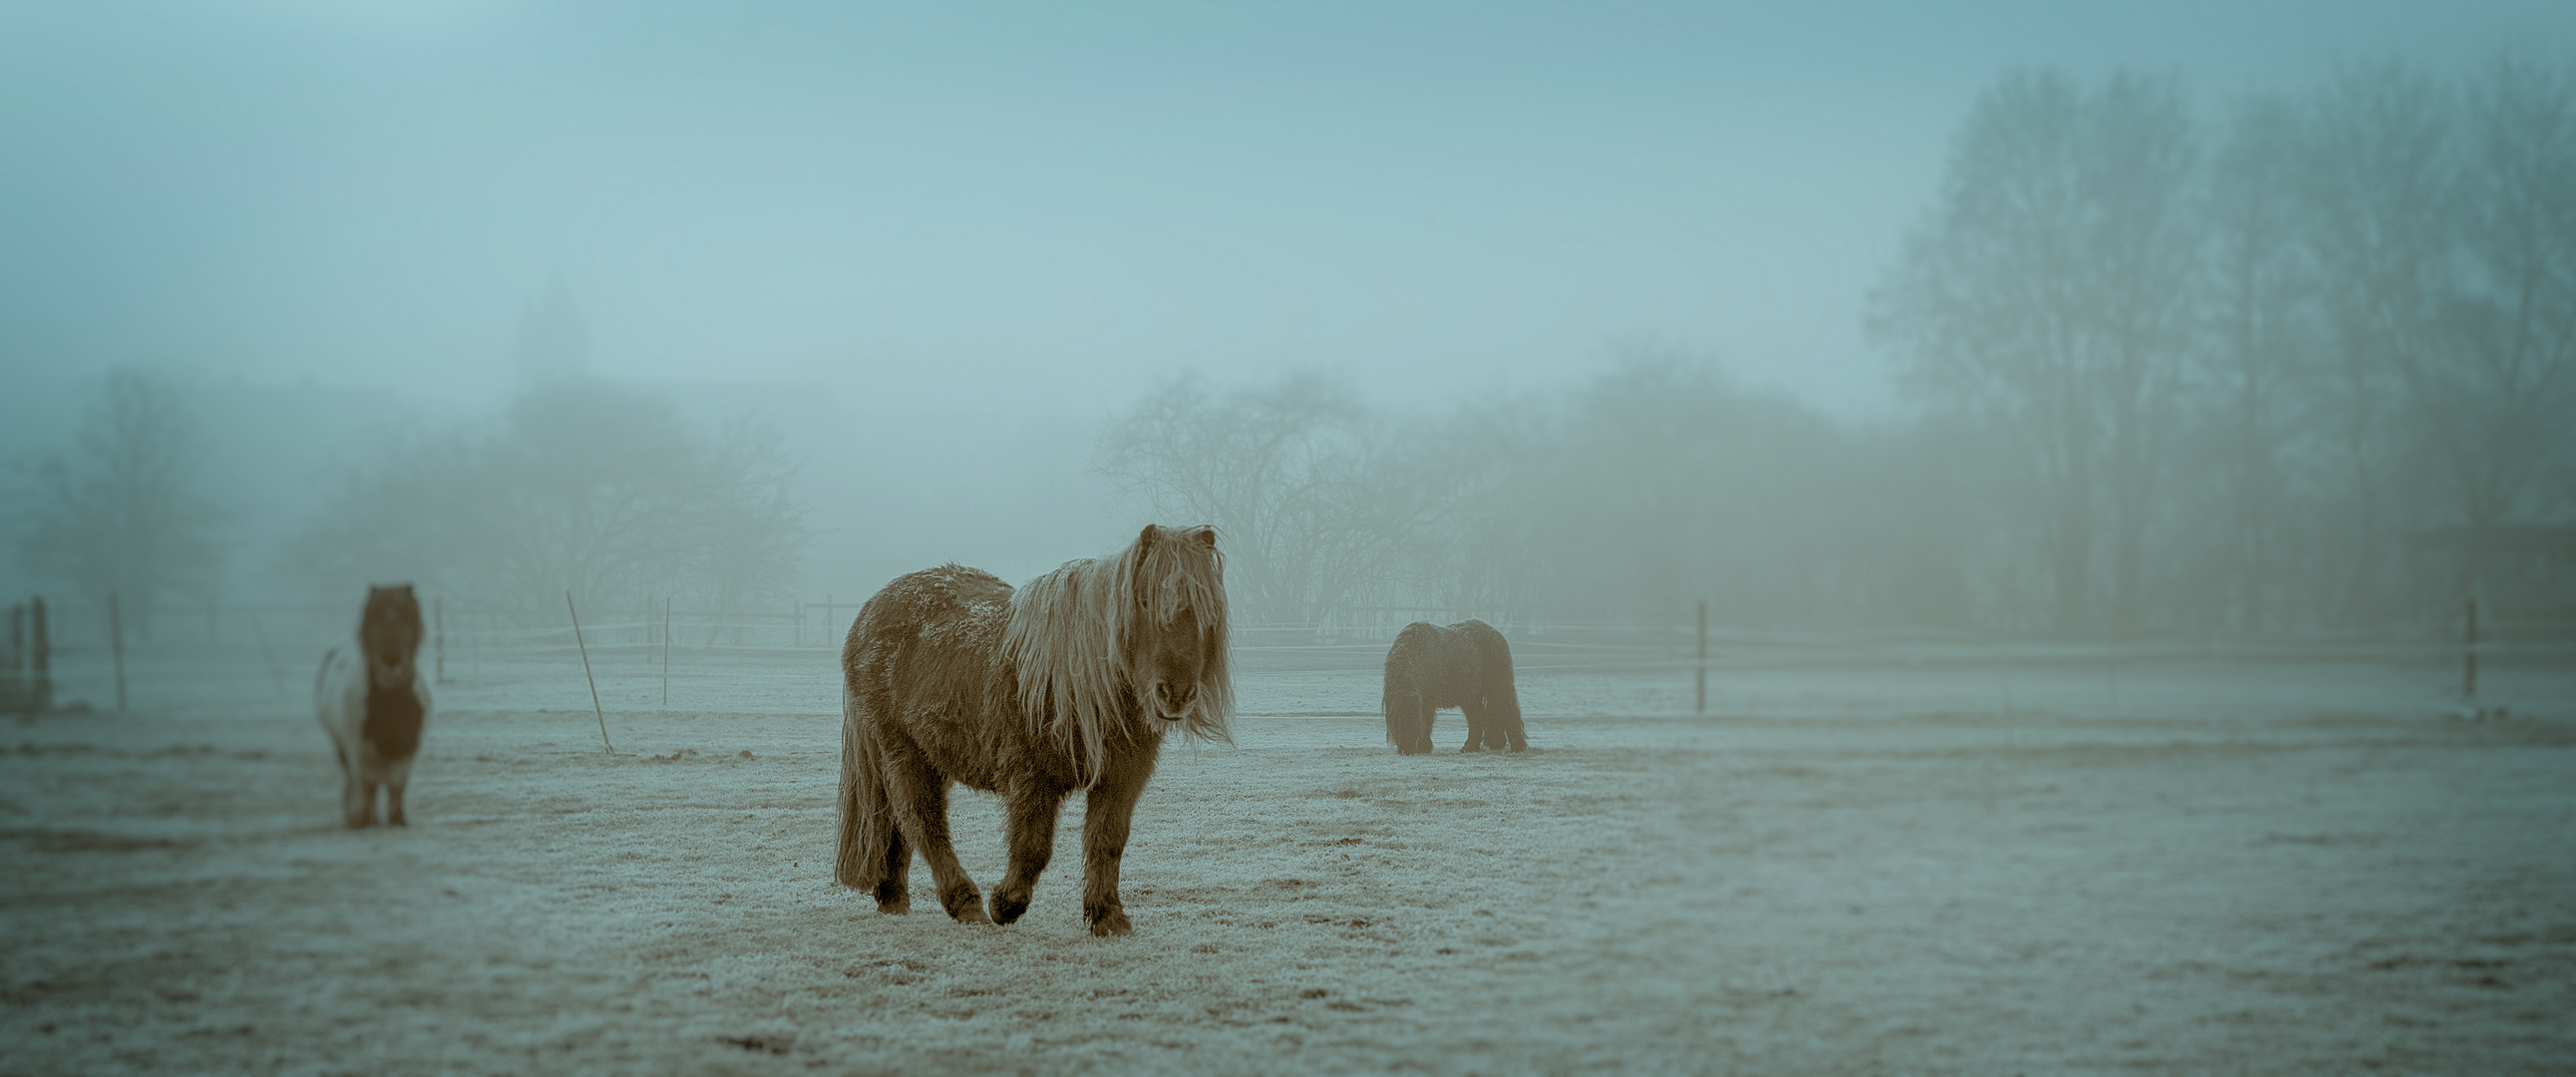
(1069, 683)
(373, 701)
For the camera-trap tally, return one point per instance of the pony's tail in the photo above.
(867, 815)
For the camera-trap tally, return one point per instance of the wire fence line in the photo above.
(272, 648)
(464, 638)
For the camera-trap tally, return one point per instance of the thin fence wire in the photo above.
(274, 647)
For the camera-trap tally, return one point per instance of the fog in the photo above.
(939, 256)
(2024, 536)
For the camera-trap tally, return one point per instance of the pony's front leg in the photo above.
(1474, 709)
(397, 778)
(1107, 808)
(357, 800)
(1417, 726)
(1031, 832)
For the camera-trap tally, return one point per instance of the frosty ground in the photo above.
(2183, 866)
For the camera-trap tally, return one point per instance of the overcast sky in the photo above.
(1043, 207)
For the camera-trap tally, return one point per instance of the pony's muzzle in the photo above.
(1172, 704)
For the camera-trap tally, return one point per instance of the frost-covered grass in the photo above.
(2199, 868)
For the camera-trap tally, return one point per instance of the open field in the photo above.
(2193, 868)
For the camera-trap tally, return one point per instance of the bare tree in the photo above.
(127, 514)
(1290, 470)
(2264, 337)
(2050, 292)
(1659, 482)
(1479, 547)
(582, 485)
(2500, 394)
(2381, 190)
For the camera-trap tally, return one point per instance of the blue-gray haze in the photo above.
(1010, 218)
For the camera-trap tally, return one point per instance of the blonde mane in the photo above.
(1068, 630)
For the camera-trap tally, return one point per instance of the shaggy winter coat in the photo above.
(1465, 665)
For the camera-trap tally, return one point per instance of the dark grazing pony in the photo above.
(373, 701)
(1466, 665)
(1068, 683)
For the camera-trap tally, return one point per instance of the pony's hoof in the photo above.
(897, 907)
(970, 911)
(1113, 924)
(1007, 910)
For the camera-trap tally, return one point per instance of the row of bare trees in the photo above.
(580, 485)
(1657, 480)
(2304, 364)
(126, 512)
(2269, 361)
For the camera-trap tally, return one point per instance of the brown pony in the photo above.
(1068, 683)
(373, 701)
(1466, 665)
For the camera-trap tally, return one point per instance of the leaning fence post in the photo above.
(585, 674)
(116, 646)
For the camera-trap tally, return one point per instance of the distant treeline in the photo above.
(581, 485)
(2305, 364)
(2295, 364)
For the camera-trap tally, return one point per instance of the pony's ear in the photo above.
(1205, 535)
(1145, 537)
